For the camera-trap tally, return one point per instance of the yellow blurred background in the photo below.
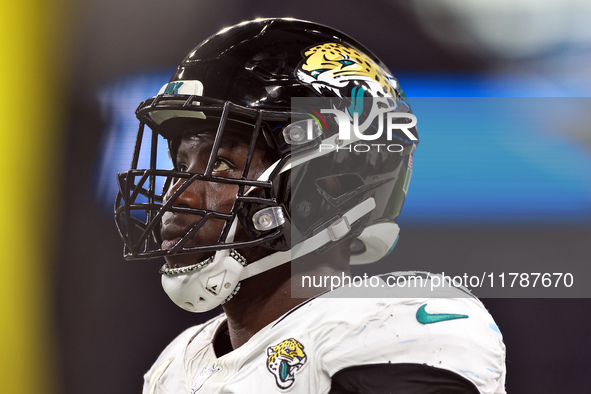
(32, 69)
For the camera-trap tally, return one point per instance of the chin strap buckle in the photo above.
(339, 229)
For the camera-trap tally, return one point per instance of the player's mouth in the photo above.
(175, 226)
(183, 259)
(174, 229)
(171, 234)
(168, 244)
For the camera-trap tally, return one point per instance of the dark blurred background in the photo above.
(491, 203)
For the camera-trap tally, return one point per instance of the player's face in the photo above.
(192, 156)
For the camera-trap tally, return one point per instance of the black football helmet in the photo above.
(319, 189)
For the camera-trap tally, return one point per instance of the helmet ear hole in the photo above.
(357, 247)
(337, 189)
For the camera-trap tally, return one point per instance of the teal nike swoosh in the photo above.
(425, 317)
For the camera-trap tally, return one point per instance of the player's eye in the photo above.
(182, 167)
(221, 165)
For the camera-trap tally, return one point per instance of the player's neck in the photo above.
(266, 297)
(260, 301)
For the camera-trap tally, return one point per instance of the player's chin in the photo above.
(186, 259)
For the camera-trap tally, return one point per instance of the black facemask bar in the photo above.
(139, 207)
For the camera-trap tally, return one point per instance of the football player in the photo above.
(265, 198)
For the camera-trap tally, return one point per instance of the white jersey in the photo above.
(303, 349)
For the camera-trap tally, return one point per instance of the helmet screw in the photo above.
(268, 218)
(304, 208)
(297, 134)
(265, 220)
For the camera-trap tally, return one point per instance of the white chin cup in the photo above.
(204, 288)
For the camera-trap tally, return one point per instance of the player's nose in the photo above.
(191, 196)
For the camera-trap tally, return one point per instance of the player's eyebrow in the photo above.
(203, 140)
(230, 140)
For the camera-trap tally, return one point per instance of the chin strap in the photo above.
(214, 281)
(337, 230)
(207, 284)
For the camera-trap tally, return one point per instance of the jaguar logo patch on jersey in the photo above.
(345, 71)
(284, 360)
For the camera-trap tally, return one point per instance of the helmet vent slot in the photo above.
(337, 189)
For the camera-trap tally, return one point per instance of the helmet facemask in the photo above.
(147, 196)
